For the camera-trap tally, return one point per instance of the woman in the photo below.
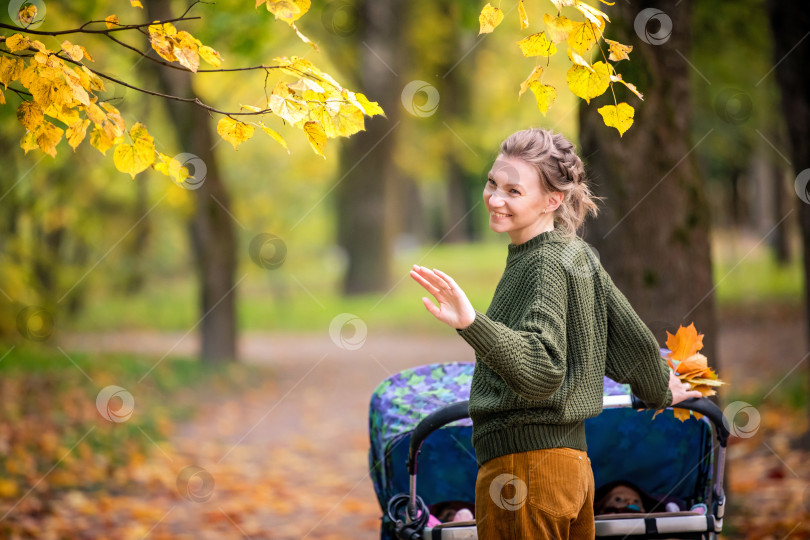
(556, 325)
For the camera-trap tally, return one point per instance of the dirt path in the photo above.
(290, 461)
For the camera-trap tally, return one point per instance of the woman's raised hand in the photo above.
(454, 308)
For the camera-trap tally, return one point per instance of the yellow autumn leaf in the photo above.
(138, 156)
(618, 51)
(75, 52)
(533, 76)
(30, 114)
(278, 138)
(48, 136)
(588, 83)
(524, 18)
(304, 38)
(370, 108)
(316, 137)
(76, 132)
(10, 70)
(210, 55)
(537, 45)
(630, 86)
(111, 21)
(684, 343)
(29, 142)
(582, 37)
(287, 10)
(27, 14)
(136, 3)
(618, 116)
(545, 95)
(681, 414)
(594, 15)
(559, 4)
(234, 131)
(558, 28)
(17, 42)
(489, 19)
(2, 98)
(286, 105)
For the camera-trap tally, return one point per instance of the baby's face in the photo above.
(624, 497)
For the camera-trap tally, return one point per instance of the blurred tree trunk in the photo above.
(781, 205)
(364, 201)
(653, 231)
(789, 23)
(211, 229)
(457, 84)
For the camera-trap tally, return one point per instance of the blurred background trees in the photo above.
(707, 161)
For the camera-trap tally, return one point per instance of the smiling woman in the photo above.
(543, 347)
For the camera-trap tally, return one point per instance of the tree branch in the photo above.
(83, 30)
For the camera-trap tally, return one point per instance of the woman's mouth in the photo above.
(499, 215)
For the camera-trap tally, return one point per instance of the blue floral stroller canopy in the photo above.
(665, 457)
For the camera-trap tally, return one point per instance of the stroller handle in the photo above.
(460, 410)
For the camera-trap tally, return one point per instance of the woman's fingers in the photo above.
(447, 279)
(424, 283)
(431, 277)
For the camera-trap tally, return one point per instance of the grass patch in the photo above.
(303, 294)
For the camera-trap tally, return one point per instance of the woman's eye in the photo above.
(490, 181)
(516, 192)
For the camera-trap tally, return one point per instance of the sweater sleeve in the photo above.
(633, 356)
(531, 360)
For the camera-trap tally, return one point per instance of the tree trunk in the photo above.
(365, 209)
(789, 22)
(653, 231)
(211, 227)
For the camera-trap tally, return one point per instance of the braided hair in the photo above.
(560, 169)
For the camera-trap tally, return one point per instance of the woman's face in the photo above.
(516, 201)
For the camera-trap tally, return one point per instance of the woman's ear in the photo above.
(555, 200)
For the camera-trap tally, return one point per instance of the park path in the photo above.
(289, 460)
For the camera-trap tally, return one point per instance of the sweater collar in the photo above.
(555, 235)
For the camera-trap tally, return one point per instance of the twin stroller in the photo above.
(422, 413)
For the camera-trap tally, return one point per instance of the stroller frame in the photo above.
(680, 525)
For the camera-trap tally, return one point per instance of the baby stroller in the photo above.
(422, 413)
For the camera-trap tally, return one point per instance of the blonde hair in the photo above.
(560, 169)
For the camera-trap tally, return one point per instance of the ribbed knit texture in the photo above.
(556, 325)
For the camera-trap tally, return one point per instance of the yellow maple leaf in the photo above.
(537, 45)
(111, 21)
(284, 103)
(29, 142)
(316, 137)
(489, 19)
(136, 3)
(618, 116)
(545, 95)
(681, 414)
(588, 83)
(370, 108)
(685, 343)
(10, 70)
(234, 131)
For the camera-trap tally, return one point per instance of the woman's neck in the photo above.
(526, 234)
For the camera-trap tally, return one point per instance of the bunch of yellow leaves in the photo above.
(689, 365)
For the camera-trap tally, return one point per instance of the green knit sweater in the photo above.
(556, 325)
